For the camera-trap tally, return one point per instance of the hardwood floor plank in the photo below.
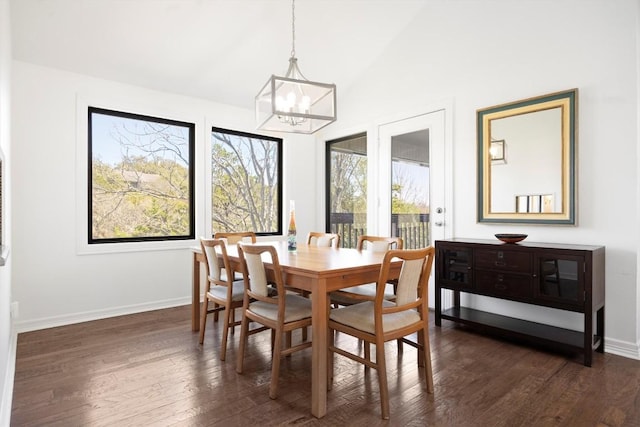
(148, 369)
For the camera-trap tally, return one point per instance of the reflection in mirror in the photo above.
(534, 166)
(526, 160)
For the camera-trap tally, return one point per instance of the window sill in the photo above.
(4, 254)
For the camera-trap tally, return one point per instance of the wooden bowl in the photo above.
(511, 238)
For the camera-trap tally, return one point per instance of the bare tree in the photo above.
(348, 182)
(244, 176)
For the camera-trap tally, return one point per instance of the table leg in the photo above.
(319, 348)
(195, 294)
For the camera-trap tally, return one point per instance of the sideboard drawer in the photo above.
(514, 286)
(520, 262)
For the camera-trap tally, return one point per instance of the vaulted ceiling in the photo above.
(221, 50)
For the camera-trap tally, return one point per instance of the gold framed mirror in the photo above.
(527, 160)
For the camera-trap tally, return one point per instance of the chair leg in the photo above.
(275, 366)
(420, 348)
(244, 332)
(225, 333)
(215, 313)
(367, 354)
(203, 318)
(233, 320)
(330, 342)
(288, 341)
(382, 379)
(426, 348)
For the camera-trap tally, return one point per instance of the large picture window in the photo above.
(246, 182)
(141, 178)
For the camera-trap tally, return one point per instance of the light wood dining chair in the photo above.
(356, 294)
(381, 320)
(232, 238)
(323, 239)
(235, 237)
(225, 293)
(281, 313)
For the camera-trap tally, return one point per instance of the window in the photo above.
(246, 182)
(346, 160)
(141, 178)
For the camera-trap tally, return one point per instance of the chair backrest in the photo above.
(378, 243)
(414, 276)
(213, 264)
(255, 274)
(236, 237)
(323, 239)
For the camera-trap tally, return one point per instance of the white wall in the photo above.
(484, 53)
(7, 336)
(52, 282)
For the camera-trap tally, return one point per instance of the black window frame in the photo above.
(192, 166)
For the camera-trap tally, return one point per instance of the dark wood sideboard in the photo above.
(565, 277)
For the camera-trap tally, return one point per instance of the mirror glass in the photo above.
(526, 160)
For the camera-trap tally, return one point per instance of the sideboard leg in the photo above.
(600, 329)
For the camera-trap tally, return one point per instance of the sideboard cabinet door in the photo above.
(560, 280)
(456, 268)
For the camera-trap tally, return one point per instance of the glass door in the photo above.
(411, 182)
(411, 179)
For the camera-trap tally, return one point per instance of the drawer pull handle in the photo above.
(500, 287)
(500, 263)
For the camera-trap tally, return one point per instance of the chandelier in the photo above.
(293, 103)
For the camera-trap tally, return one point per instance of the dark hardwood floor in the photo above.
(147, 369)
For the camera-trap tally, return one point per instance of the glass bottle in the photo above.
(291, 235)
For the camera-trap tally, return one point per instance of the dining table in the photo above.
(318, 271)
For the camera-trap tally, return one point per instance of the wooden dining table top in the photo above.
(342, 264)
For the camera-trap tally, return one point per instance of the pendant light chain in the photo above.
(293, 28)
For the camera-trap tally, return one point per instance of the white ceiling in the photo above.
(221, 50)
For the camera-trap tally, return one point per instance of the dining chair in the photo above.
(356, 294)
(323, 239)
(232, 238)
(381, 320)
(235, 237)
(222, 290)
(281, 313)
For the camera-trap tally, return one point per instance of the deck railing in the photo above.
(413, 228)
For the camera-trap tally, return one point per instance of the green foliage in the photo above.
(348, 182)
(400, 205)
(140, 198)
(144, 195)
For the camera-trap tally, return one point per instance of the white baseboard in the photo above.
(7, 392)
(68, 319)
(622, 348)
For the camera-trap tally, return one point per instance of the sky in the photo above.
(106, 146)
